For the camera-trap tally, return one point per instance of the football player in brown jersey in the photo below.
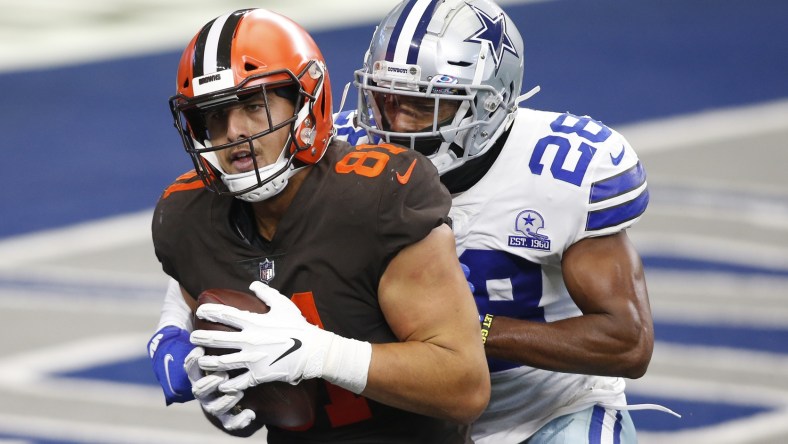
(348, 246)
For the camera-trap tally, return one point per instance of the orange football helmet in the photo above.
(238, 55)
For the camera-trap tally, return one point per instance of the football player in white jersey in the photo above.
(541, 204)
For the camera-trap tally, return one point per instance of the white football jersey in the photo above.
(558, 179)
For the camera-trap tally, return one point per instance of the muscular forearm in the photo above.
(590, 344)
(428, 379)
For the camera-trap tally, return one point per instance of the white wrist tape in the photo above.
(347, 363)
(174, 311)
(341, 361)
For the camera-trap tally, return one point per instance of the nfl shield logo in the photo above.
(266, 271)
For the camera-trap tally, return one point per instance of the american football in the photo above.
(276, 404)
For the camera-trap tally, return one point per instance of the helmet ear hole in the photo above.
(322, 103)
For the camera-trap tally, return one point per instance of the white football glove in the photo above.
(279, 346)
(220, 405)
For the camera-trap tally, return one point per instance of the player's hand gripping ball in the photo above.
(276, 404)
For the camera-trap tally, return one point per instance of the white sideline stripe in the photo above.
(757, 364)
(73, 32)
(751, 429)
(99, 304)
(31, 373)
(103, 234)
(90, 391)
(76, 31)
(96, 432)
(767, 217)
(707, 127)
(89, 352)
(662, 134)
(697, 387)
(747, 253)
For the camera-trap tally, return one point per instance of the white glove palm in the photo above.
(205, 390)
(276, 346)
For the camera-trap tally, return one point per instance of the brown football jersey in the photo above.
(356, 209)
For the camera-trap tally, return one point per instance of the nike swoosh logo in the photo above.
(617, 159)
(296, 346)
(167, 359)
(404, 178)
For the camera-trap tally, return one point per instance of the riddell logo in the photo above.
(211, 78)
(399, 70)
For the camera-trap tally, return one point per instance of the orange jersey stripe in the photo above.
(183, 183)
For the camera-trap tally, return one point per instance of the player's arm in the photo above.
(174, 360)
(170, 344)
(438, 368)
(615, 334)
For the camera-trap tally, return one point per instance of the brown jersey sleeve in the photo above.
(165, 238)
(413, 202)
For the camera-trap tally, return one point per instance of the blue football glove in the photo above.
(467, 271)
(168, 349)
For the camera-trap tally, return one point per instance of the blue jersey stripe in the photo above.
(612, 216)
(595, 426)
(352, 135)
(617, 428)
(343, 118)
(618, 184)
(398, 29)
(421, 30)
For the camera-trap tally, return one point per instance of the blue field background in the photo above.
(96, 140)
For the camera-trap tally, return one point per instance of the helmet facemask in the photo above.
(443, 54)
(382, 94)
(229, 72)
(200, 120)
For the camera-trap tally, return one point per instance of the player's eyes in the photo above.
(215, 116)
(254, 107)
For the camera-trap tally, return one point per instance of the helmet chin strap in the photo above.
(278, 174)
(527, 95)
(344, 96)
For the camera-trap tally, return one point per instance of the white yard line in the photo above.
(88, 30)
(98, 432)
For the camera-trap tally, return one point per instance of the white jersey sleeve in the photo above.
(558, 179)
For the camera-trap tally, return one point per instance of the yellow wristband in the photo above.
(486, 324)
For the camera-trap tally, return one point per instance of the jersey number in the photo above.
(569, 124)
(345, 407)
(506, 285)
(366, 162)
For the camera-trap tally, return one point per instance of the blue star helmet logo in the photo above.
(493, 30)
(529, 222)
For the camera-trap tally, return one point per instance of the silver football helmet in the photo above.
(459, 62)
